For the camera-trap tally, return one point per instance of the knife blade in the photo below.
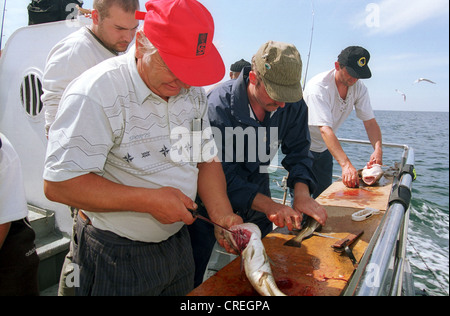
(203, 218)
(326, 236)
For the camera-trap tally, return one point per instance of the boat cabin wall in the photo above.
(22, 118)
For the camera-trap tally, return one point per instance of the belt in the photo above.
(84, 217)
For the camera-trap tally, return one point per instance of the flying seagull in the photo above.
(423, 79)
(402, 93)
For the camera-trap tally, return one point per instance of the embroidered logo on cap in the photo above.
(362, 62)
(201, 46)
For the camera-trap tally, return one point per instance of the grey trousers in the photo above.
(113, 265)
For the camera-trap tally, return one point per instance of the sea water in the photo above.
(428, 234)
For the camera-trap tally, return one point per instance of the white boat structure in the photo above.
(383, 253)
(22, 121)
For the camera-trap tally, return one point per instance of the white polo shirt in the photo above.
(110, 123)
(13, 204)
(68, 59)
(327, 108)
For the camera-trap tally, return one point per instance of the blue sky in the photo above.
(408, 39)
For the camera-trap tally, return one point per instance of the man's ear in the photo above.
(95, 17)
(252, 78)
(337, 66)
(139, 53)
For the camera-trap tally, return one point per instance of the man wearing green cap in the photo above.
(331, 97)
(261, 109)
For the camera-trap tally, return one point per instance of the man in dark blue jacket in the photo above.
(251, 117)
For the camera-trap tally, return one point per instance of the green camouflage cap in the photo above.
(280, 67)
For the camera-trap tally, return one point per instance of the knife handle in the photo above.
(347, 241)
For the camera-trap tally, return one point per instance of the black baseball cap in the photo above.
(356, 60)
(239, 65)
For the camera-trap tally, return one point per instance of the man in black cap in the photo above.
(331, 97)
(236, 68)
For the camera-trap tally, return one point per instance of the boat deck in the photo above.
(314, 269)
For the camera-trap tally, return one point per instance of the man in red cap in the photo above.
(113, 29)
(120, 151)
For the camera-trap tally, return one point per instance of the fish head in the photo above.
(241, 235)
(370, 175)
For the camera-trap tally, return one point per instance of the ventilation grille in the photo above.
(30, 94)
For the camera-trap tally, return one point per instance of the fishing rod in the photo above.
(284, 181)
(3, 22)
(310, 44)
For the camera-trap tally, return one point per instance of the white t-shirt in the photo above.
(68, 59)
(110, 123)
(327, 108)
(13, 204)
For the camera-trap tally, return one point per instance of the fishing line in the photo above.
(304, 81)
(426, 265)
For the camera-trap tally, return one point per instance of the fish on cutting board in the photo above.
(371, 174)
(247, 241)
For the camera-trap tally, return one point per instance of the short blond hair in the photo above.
(102, 6)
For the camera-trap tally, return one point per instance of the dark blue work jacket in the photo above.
(228, 109)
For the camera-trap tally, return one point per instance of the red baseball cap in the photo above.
(183, 31)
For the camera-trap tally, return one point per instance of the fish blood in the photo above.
(242, 238)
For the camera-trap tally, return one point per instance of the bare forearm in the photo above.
(92, 193)
(334, 146)
(212, 189)
(96, 194)
(374, 133)
(349, 172)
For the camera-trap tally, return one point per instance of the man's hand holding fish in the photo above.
(226, 221)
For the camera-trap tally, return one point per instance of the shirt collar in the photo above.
(140, 88)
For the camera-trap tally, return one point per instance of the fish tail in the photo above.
(268, 286)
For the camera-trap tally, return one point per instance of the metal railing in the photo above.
(381, 270)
